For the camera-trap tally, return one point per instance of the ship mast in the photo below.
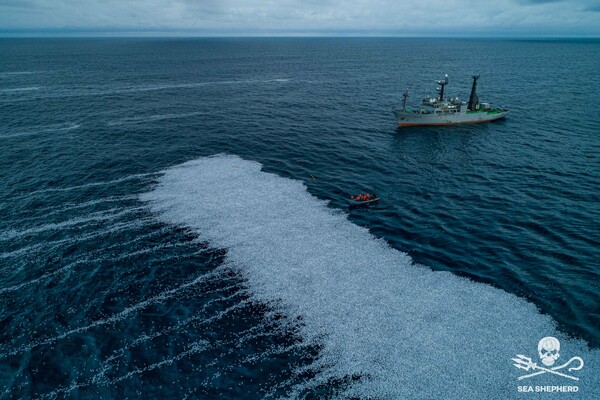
(404, 96)
(441, 88)
(473, 99)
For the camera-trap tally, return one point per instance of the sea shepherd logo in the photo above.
(549, 353)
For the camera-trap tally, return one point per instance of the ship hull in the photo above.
(411, 118)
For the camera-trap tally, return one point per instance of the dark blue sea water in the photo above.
(117, 280)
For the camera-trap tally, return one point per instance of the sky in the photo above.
(505, 18)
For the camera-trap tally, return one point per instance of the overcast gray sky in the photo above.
(305, 18)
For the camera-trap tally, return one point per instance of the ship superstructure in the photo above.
(448, 111)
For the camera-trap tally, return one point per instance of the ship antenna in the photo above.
(404, 96)
(473, 99)
(441, 88)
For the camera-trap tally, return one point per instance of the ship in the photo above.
(440, 111)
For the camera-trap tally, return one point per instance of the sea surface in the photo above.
(173, 221)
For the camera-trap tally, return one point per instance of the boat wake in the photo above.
(152, 118)
(385, 327)
(7, 133)
(20, 89)
(12, 73)
(66, 92)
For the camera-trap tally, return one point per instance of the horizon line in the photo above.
(156, 35)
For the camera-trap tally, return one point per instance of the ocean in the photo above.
(174, 224)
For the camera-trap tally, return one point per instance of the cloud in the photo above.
(257, 17)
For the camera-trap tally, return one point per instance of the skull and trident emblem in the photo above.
(549, 352)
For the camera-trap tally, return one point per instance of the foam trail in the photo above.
(409, 332)
(8, 74)
(20, 89)
(37, 130)
(194, 348)
(87, 92)
(89, 185)
(70, 266)
(94, 217)
(138, 238)
(76, 239)
(151, 118)
(187, 85)
(199, 318)
(11, 73)
(49, 211)
(167, 294)
(199, 84)
(150, 250)
(48, 275)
